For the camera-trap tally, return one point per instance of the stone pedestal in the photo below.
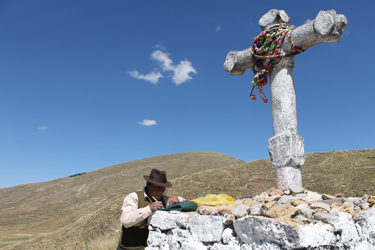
(287, 155)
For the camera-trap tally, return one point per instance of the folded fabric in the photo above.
(214, 200)
(185, 206)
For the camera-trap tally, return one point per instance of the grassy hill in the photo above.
(48, 206)
(347, 172)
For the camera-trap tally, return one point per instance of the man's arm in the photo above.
(131, 214)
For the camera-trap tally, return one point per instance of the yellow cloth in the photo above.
(214, 200)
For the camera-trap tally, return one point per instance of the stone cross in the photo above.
(286, 147)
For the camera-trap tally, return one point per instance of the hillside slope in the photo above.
(347, 172)
(48, 206)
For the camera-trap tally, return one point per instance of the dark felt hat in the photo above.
(158, 177)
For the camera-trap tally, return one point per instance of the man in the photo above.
(138, 208)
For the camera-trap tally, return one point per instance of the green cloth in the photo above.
(185, 206)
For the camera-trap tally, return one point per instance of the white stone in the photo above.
(286, 148)
(218, 246)
(227, 235)
(241, 211)
(273, 198)
(313, 197)
(301, 196)
(321, 205)
(156, 238)
(193, 245)
(256, 210)
(166, 220)
(343, 224)
(302, 206)
(296, 189)
(182, 233)
(261, 246)
(366, 221)
(206, 228)
(252, 229)
(286, 199)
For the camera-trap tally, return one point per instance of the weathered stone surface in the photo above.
(364, 206)
(296, 189)
(319, 211)
(366, 221)
(248, 202)
(206, 228)
(286, 149)
(304, 212)
(218, 246)
(273, 198)
(313, 197)
(328, 196)
(216, 210)
(273, 192)
(193, 245)
(261, 198)
(327, 27)
(256, 210)
(281, 210)
(323, 230)
(336, 207)
(241, 211)
(228, 233)
(298, 202)
(181, 233)
(342, 223)
(261, 246)
(286, 199)
(331, 201)
(321, 205)
(228, 219)
(301, 196)
(268, 205)
(165, 220)
(371, 201)
(252, 229)
(273, 16)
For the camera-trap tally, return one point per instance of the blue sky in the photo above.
(89, 84)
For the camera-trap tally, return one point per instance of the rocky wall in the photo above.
(275, 220)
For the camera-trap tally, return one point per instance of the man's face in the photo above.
(155, 190)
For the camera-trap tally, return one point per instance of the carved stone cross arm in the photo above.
(286, 147)
(326, 27)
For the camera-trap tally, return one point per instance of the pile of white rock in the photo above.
(274, 220)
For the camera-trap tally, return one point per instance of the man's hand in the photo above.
(156, 206)
(172, 200)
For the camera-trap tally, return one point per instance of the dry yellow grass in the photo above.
(347, 172)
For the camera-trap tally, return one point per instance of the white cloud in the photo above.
(308, 20)
(180, 72)
(159, 46)
(163, 59)
(152, 77)
(218, 28)
(43, 128)
(148, 123)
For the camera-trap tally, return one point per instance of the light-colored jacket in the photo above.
(131, 214)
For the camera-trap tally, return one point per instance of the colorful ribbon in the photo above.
(267, 52)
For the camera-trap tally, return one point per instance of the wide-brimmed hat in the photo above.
(158, 177)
